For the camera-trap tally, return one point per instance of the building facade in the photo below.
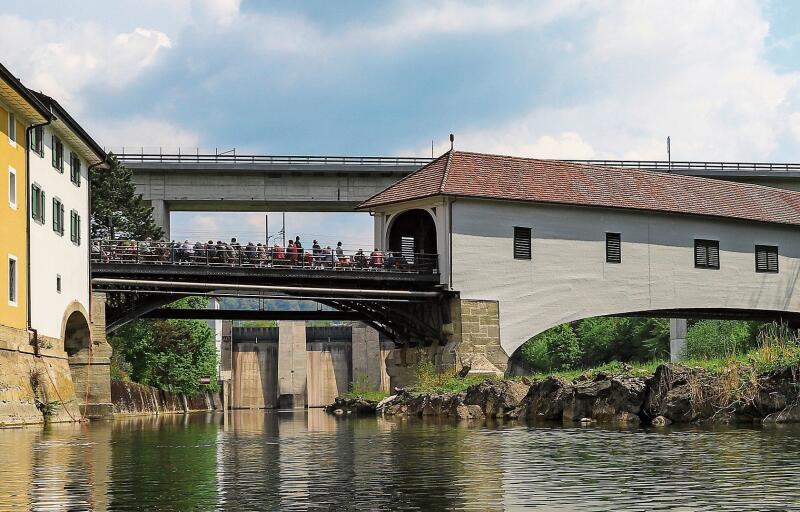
(61, 154)
(18, 110)
(530, 244)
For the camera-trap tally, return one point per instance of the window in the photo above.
(767, 258)
(75, 227)
(58, 216)
(74, 169)
(37, 203)
(37, 140)
(12, 129)
(613, 248)
(58, 283)
(12, 187)
(522, 243)
(12, 280)
(706, 254)
(58, 154)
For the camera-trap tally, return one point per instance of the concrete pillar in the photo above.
(161, 215)
(255, 375)
(291, 364)
(677, 339)
(329, 372)
(369, 357)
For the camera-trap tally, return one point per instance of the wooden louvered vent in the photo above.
(706, 254)
(613, 248)
(407, 248)
(522, 243)
(767, 258)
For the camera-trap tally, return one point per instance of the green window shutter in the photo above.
(34, 201)
(53, 147)
(55, 215)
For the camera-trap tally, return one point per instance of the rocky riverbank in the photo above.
(672, 394)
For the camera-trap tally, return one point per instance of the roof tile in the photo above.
(478, 175)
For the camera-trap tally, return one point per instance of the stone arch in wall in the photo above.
(75, 329)
(417, 227)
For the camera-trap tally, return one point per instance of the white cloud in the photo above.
(219, 13)
(794, 125)
(143, 132)
(60, 58)
(293, 34)
(696, 71)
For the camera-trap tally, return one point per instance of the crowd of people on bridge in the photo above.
(250, 254)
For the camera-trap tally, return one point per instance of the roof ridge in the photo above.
(446, 172)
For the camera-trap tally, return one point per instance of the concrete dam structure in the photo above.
(292, 365)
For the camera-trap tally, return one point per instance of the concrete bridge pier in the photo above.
(677, 339)
(161, 215)
(291, 364)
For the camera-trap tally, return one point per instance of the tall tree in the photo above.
(116, 203)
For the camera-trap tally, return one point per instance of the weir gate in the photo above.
(293, 365)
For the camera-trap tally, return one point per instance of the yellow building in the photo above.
(19, 109)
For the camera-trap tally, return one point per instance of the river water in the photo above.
(310, 461)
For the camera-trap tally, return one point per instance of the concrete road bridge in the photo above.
(197, 181)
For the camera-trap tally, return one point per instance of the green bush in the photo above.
(562, 347)
(709, 339)
(534, 354)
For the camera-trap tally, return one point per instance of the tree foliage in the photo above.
(114, 199)
(602, 340)
(596, 341)
(168, 354)
(709, 339)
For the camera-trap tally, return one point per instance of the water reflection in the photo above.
(310, 461)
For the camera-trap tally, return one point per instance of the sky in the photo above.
(549, 79)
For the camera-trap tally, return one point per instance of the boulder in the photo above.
(790, 414)
(607, 399)
(545, 400)
(496, 398)
(678, 393)
(358, 405)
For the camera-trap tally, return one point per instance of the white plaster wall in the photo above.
(568, 278)
(52, 254)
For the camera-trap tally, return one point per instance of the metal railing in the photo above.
(259, 256)
(687, 166)
(232, 158)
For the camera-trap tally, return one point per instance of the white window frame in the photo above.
(11, 257)
(12, 129)
(12, 191)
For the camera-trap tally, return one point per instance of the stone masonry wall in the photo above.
(480, 336)
(133, 398)
(26, 380)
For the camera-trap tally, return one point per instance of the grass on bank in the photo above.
(778, 348)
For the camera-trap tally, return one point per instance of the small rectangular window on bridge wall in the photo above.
(706, 253)
(613, 248)
(767, 259)
(522, 243)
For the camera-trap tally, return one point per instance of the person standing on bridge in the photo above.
(317, 250)
(298, 245)
(291, 249)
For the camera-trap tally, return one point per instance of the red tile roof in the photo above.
(478, 175)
